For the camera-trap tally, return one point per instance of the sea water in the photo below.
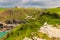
(2, 34)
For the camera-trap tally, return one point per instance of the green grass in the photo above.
(53, 10)
(50, 19)
(25, 30)
(2, 9)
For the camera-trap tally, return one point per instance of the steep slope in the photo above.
(33, 25)
(17, 13)
(35, 18)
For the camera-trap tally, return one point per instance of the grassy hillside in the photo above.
(39, 17)
(54, 10)
(17, 13)
(25, 30)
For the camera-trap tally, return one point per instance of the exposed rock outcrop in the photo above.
(50, 31)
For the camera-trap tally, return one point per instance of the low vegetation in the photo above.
(33, 24)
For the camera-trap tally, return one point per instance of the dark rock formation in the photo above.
(8, 22)
(1, 25)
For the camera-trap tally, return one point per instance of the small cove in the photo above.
(2, 34)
